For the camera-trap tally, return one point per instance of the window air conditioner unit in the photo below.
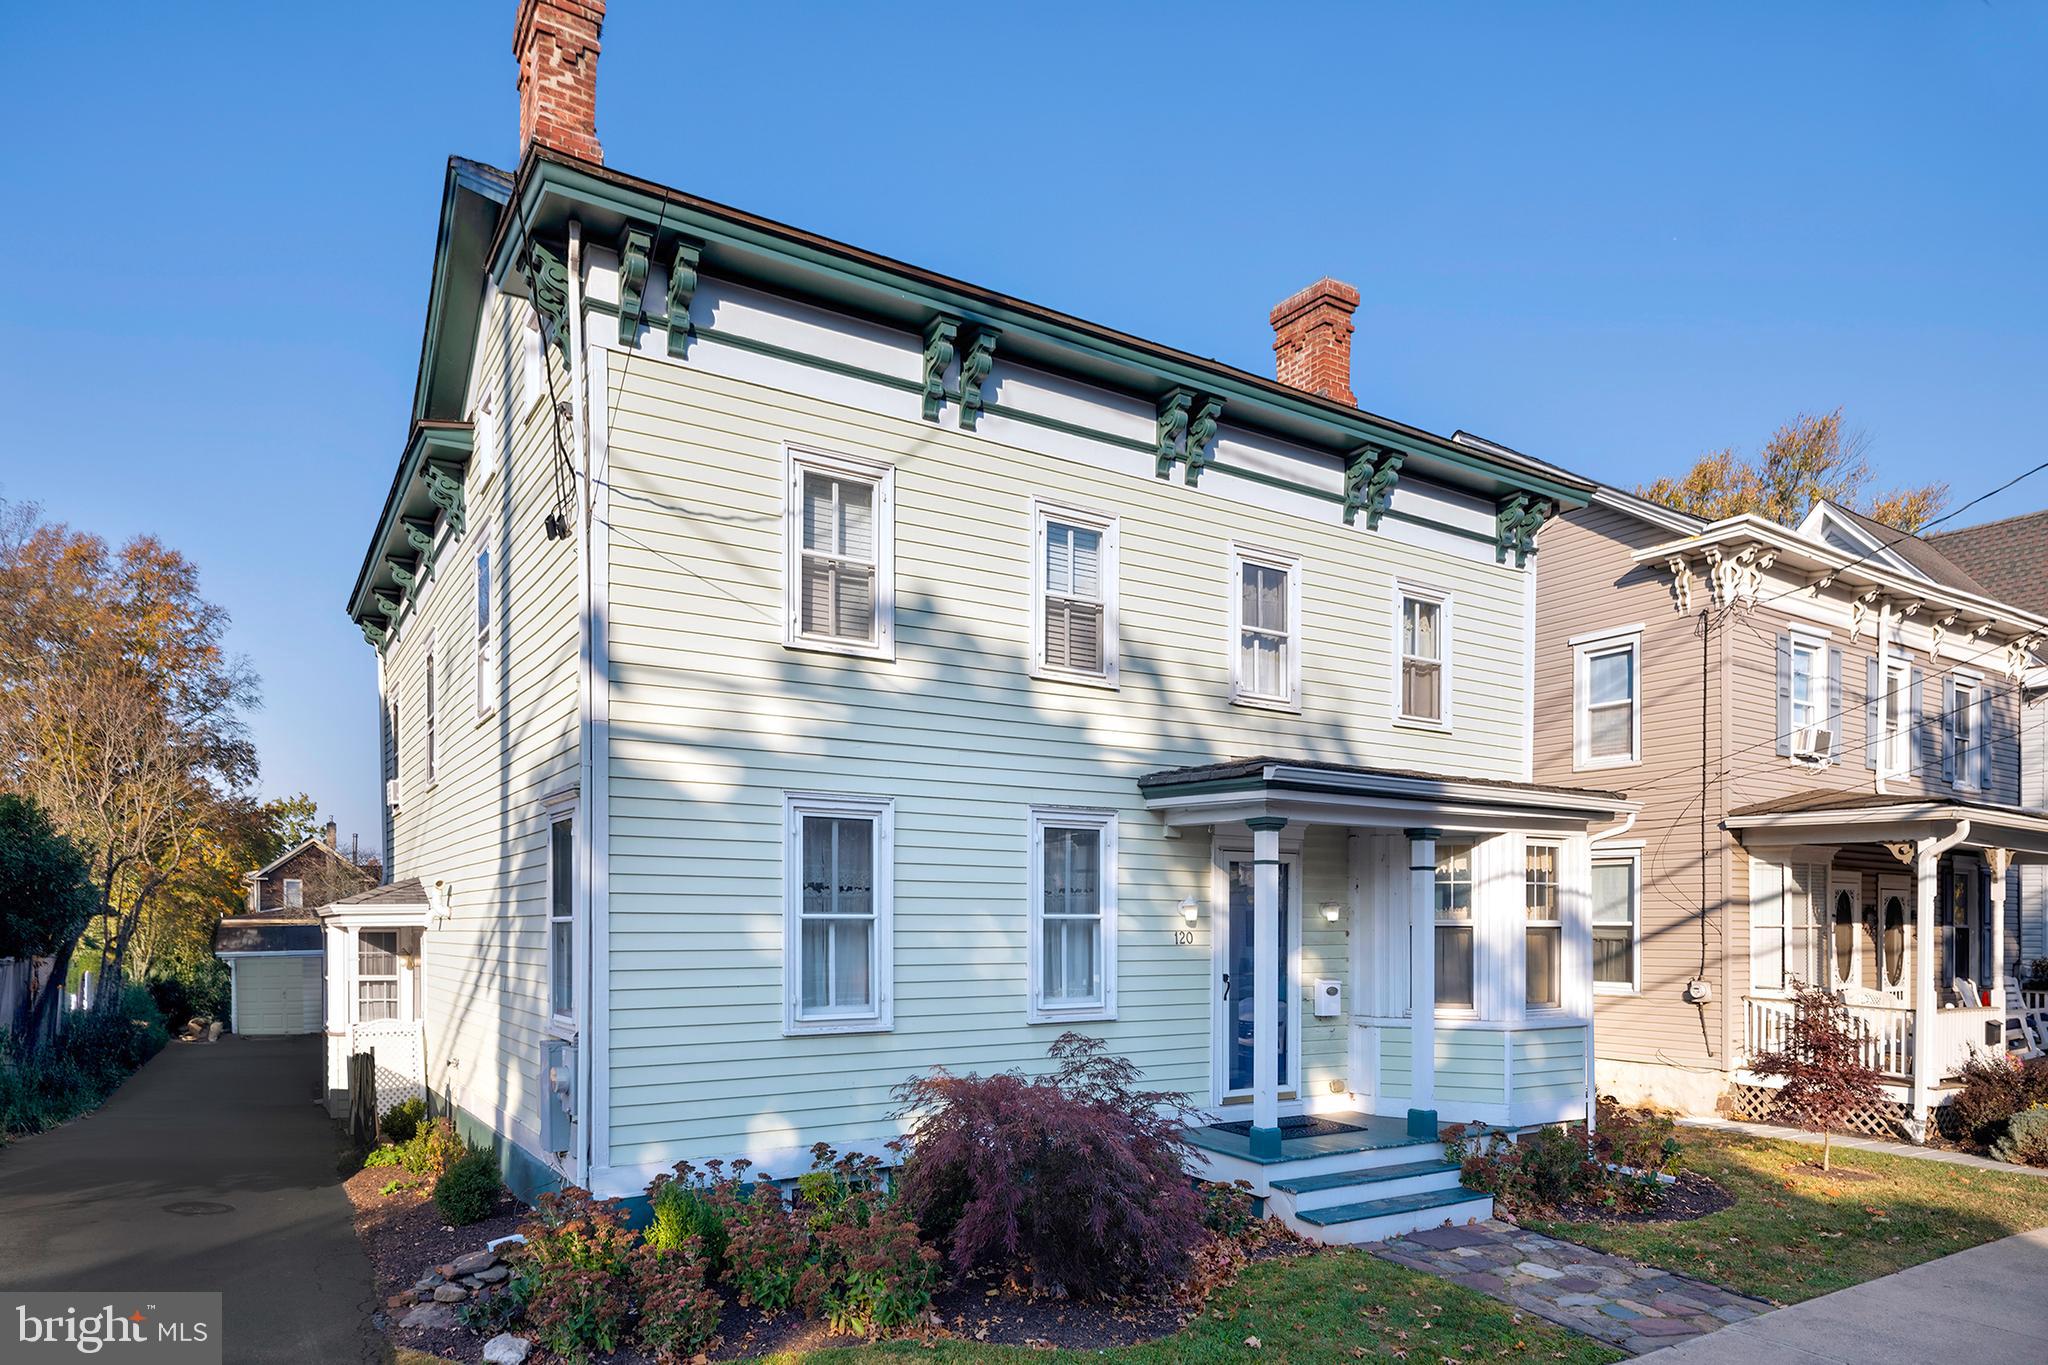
(391, 793)
(1814, 743)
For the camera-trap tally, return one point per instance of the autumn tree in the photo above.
(1826, 1078)
(1808, 460)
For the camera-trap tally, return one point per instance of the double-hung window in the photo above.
(1074, 628)
(1608, 693)
(562, 916)
(1454, 926)
(1968, 754)
(840, 592)
(1895, 749)
(1615, 887)
(376, 975)
(1806, 701)
(294, 893)
(1073, 911)
(1424, 627)
(433, 756)
(485, 669)
(533, 361)
(836, 940)
(1543, 933)
(1788, 929)
(1265, 631)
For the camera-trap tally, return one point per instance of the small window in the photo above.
(1614, 924)
(839, 529)
(1265, 657)
(486, 652)
(1967, 751)
(1607, 691)
(431, 708)
(1896, 750)
(294, 893)
(376, 975)
(1809, 684)
(1543, 934)
(1075, 627)
(1073, 902)
(1454, 926)
(562, 917)
(836, 944)
(533, 379)
(1423, 628)
(483, 457)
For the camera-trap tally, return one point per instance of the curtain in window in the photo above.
(838, 914)
(838, 590)
(1421, 659)
(1262, 614)
(377, 973)
(1071, 917)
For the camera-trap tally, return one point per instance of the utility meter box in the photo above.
(1329, 998)
(557, 1095)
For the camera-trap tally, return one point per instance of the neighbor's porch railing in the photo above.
(1887, 1034)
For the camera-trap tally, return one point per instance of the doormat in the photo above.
(1300, 1126)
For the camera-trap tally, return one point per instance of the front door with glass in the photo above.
(1234, 1017)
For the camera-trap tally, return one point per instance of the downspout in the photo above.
(1884, 688)
(580, 450)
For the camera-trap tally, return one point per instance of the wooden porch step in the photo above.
(1373, 1220)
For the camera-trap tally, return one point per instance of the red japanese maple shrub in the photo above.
(1826, 1078)
(1074, 1180)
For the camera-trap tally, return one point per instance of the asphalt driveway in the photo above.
(212, 1168)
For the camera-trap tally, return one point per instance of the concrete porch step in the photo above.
(1377, 1182)
(1374, 1220)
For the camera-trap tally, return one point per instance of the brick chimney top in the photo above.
(333, 832)
(1312, 339)
(556, 43)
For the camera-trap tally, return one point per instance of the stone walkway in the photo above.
(1636, 1307)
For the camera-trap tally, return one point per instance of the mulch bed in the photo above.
(1694, 1196)
(404, 1236)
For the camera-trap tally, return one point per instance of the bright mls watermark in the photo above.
(166, 1329)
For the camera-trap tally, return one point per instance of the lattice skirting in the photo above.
(1761, 1104)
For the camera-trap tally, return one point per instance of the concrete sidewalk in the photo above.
(1984, 1304)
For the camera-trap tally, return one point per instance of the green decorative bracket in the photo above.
(1201, 432)
(374, 633)
(633, 248)
(975, 364)
(1173, 426)
(1516, 520)
(444, 490)
(682, 287)
(420, 535)
(387, 604)
(548, 278)
(406, 576)
(939, 336)
(1369, 477)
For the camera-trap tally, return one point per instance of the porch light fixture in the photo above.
(1331, 910)
(1189, 909)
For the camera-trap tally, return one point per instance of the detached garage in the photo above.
(276, 972)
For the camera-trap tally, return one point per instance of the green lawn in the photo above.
(1329, 1306)
(1793, 1235)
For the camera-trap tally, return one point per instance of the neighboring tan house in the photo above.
(1799, 821)
(2010, 558)
(274, 952)
(800, 669)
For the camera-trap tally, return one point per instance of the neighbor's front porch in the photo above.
(1901, 904)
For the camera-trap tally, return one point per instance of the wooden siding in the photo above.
(712, 720)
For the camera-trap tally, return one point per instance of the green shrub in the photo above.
(767, 1242)
(2026, 1139)
(387, 1155)
(866, 1271)
(1227, 1208)
(433, 1149)
(678, 1311)
(401, 1122)
(1993, 1090)
(468, 1190)
(683, 1208)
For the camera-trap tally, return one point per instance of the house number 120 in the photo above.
(1183, 936)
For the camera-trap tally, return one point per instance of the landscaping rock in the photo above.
(431, 1317)
(404, 1300)
(506, 1349)
(425, 1284)
(473, 1262)
(213, 1032)
(450, 1293)
(494, 1274)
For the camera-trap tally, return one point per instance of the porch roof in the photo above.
(402, 903)
(1320, 792)
(1826, 816)
(267, 934)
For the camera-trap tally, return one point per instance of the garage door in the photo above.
(277, 995)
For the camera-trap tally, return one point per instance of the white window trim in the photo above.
(1402, 592)
(1896, 714)
(395, 976)
(430, 708)
(1473, 922)
(796, 460)
(483, 461)
(560, 808)
(1633, 856)
(1584, 649)
(1556, 921)
(484, 648)
(292, 884)
(1108, 524)
(1289, 564)
(1839, 881)
(1964, 760)
(1802, 640)
(533, 376)
(1056, 817)
(882, 810)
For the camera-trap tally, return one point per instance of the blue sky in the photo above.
(1615, 236)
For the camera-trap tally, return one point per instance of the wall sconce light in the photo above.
(1189, 909)
(1331, 910)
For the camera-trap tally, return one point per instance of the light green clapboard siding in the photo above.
(1471, 1066)
(712, 720)
(1397, 1058)
(1550, 1064)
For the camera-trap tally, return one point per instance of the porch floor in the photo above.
(1376, 1132)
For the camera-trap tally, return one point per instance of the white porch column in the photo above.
(1996, 862)
(1926, 886)
(1265, 1134)
(1422, 981)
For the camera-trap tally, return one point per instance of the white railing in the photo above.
(2034, 1002)
(1887, 1034)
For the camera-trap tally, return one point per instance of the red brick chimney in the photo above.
(556, 42)
(1312, 339)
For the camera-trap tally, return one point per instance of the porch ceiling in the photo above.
(1323, 793)
(1824, 817)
